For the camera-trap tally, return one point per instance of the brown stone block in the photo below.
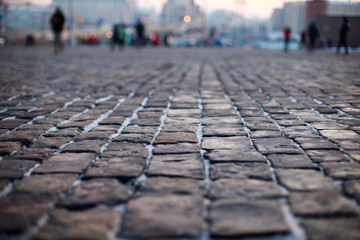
(92, 146)
(96, 191)
(171, 216)
(21, 211)
(244, 188)
(91, 224)
(290, 161)
(8, 147)
(181, 165)
(13, 169)
(339, 228)
(342, 170)
(66, 163)
(172, 185)
(39, 184)
(240, 170)
(235, 218)
(304, 180)
(176, 137)
(244, 154)
(118, 167)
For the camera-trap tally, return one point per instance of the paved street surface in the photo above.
(179, 143)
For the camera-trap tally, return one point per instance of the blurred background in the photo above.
(180, 23)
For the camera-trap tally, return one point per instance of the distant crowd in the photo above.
(310, 38)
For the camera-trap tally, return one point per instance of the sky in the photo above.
(252, 8)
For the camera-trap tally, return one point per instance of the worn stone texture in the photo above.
(40, 154)
(180, 148)
(238, 142)
(276, 146)
(8, 147)
(340, 228)
(246, 154)
(52, 142)
(244, 188)
(66, 163)
(95, 223)
(342, 170)
(14, 169)
(121, 149)
(90, 146)
(96, 191)
(264, 133)
(235, 218)
(352, 188)
(172, 185)
(240, 170)
(167, 216)
(320, 204)
(180, 165)
(117, 167)
(304, 180)
(176, 137)
(20, 211)
(290, 161)
(52, 183)
(319, 156)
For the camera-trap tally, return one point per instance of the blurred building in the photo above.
(343, 8)
(95, 12)
(295, 16)
(174, 11)
(314, 9)
(298, 15)
(276, 21)
(329, 27)
(18, 20)
(225, 18)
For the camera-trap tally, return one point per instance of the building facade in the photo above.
(315, 9)
(94, 12)
(174, 11)
(295, 16)
(17, 20)
(329, 27)
(343, 8)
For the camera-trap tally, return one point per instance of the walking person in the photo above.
(344, 30)
(313, 36)
(287, 38)
(57, 22)
(118, 37)
(140, 32)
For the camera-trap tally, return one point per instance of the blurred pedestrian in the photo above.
(140, 32)
(57, 21)
(313, 35)
(287, 38)
(303, 40)
(167, 40)
(344, 30)
(118, 37)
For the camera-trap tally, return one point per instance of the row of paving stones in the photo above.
(200, 151)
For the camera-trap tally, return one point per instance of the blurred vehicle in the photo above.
(184, 42)
(2, 42)
(224, 42)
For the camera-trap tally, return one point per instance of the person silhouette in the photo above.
(57, 22)
(344, 30)
(140, 32)
(313, 35)
(287, 38)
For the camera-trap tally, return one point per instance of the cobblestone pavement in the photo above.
(179, 143)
